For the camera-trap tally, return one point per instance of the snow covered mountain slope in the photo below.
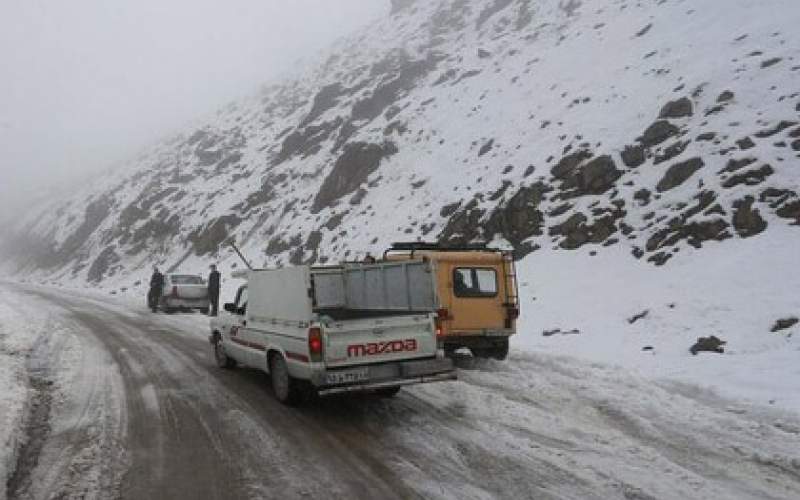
(652, 128)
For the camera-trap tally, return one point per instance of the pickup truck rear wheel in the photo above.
(283, 385)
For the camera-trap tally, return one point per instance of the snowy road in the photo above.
(129, 404)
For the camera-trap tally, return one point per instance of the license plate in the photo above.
(347, 377)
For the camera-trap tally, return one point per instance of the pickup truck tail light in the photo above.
(315, 344)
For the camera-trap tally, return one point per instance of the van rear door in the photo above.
(379, 340)
(475, 296)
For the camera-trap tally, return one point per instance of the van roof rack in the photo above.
(443, 247)
(429, 245)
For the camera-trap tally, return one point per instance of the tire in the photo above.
(283, 385)
(388, 392)
(222, 359)
(482, 352)
(500, 350)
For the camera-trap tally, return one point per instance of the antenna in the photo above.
(239, 253)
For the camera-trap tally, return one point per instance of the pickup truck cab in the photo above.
(326, 331)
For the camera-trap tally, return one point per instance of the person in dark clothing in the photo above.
(213, 290)
(156, 289)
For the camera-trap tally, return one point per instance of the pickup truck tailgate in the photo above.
(367, 341)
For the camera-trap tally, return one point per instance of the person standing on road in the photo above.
(156, 289)
(213, 290)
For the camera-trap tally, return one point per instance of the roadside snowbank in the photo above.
(16, 341)
(735, 291)
(548, 426)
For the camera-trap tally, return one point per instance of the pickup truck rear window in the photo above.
(178, 279)
(474, 282)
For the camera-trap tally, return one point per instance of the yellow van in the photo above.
(476, 295)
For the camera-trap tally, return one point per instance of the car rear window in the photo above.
(179, 279)
(474, 282)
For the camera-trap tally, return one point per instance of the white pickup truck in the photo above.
(355, 327)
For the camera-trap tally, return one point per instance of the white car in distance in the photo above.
(184, 292)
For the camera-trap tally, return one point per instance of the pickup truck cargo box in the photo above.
(390, 286)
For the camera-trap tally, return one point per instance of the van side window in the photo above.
(474, 282)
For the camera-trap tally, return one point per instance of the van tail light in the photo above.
(175, 291)
(513, 312)
(315, 344)
(442, 315)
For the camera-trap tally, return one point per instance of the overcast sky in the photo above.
(85, 83)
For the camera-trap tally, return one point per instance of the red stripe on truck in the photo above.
(297, 357)
(251, 345)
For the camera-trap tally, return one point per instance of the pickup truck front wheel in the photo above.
(223, 360)
(283, 385)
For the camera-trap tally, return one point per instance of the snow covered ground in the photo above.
(735, 292)
(56, 383)
(539, 425)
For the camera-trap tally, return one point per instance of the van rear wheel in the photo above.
(283, 385)
(500, 350)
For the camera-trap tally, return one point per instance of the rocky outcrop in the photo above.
(678, 174)
(577, 230)
(658, 132)
(102, 265)
(579, 177)
(784, 324)
(209, 239)
(747, 220)
(520, 218)
(749, 178)
(356, 163)
(708, 344)
(634, 156)
(694, 233)
(681, 108)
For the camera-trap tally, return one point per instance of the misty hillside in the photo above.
(659, 127)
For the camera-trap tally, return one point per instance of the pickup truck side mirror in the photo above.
(230, 307)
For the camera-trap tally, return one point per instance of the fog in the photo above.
(85, 84)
